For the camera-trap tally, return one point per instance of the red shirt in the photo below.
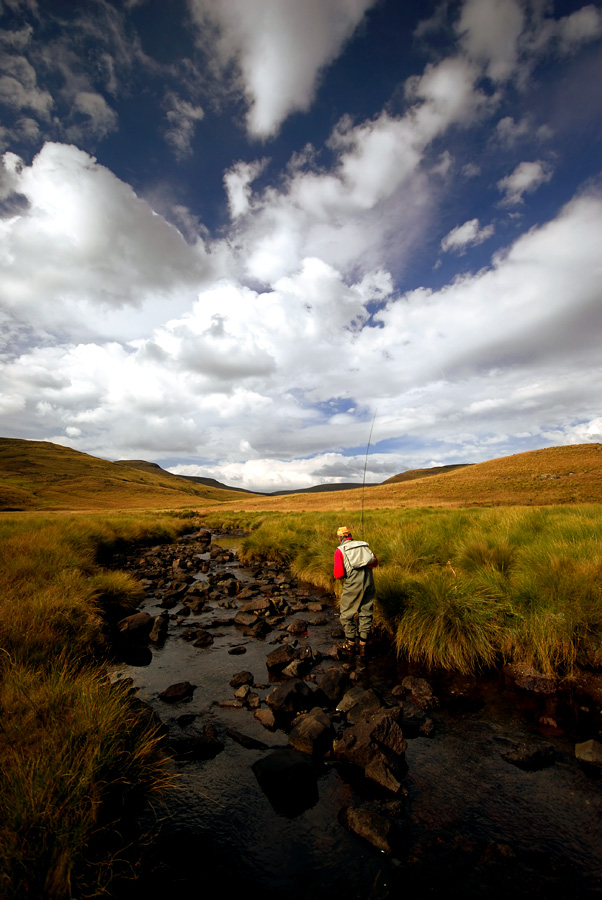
(339, 565)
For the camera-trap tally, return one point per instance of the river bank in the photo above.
(491, 796)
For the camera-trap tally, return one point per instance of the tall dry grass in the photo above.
(464, 589)
(73, 750)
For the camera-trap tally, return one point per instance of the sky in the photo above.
(282, 243)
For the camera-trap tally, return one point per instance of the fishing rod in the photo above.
(365, 467)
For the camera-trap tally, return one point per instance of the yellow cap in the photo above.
(342, 531)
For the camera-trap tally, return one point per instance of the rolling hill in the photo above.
(38, 475)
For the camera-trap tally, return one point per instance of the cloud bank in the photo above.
(382, 267)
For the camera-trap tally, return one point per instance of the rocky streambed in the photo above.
(303, 774)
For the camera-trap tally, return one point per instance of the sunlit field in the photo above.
(462, 589)
(487, 564)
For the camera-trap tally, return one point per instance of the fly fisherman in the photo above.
(353, 562)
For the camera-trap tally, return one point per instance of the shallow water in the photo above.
(475, 823)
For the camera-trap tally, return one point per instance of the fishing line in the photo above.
(365, 467)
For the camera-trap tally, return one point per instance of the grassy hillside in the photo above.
(36, 475)
(556, 475)
(413, 474)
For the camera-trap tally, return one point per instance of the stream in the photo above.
(473, 823)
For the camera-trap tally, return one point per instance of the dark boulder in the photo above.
(241, 678)
(291, 698)
(288, 779)
(312, 733)
(182, 690)
(376, 744)
(358, 703)
(420, 692)
(332, 685)
(136, 628)
(279, 658)
(203, 639)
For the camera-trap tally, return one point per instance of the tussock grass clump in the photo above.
(464, 589)
(70, 742)
(449, 624)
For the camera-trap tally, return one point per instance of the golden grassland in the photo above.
(38, 475)
(495, 562)
(556, 475)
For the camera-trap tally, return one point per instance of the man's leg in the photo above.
(353, 589)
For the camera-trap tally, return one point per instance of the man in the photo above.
(354, 562)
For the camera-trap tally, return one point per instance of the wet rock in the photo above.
(288, 779)
(291, 698)
(259, 606)
(359, 703)
(589, 685)
(299, 626)
(253, 700)
(415, 721)
(428, 728)
(332, 685)
(203, 639)
(530, 757)
(230, 704)
(589, 752)
(376, 744)
(318, 620)
(237, 651)
(175, 693)
(245, 618)
(242, 692)
(259, 629)
(241, 678)
(158, 632)
(297, 669)
(420, 691)
(530, 680)
(266, 717)
(204, 745)
(135, 628)
(195, 605)
(279, 658)
(220, 622)
(372, 826)
(314, 606)
(186, 720)
(312, 733)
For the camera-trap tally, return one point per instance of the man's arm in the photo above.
(339, 565)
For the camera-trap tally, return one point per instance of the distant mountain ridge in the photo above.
(211, 482)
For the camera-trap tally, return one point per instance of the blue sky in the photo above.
(233, 233)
